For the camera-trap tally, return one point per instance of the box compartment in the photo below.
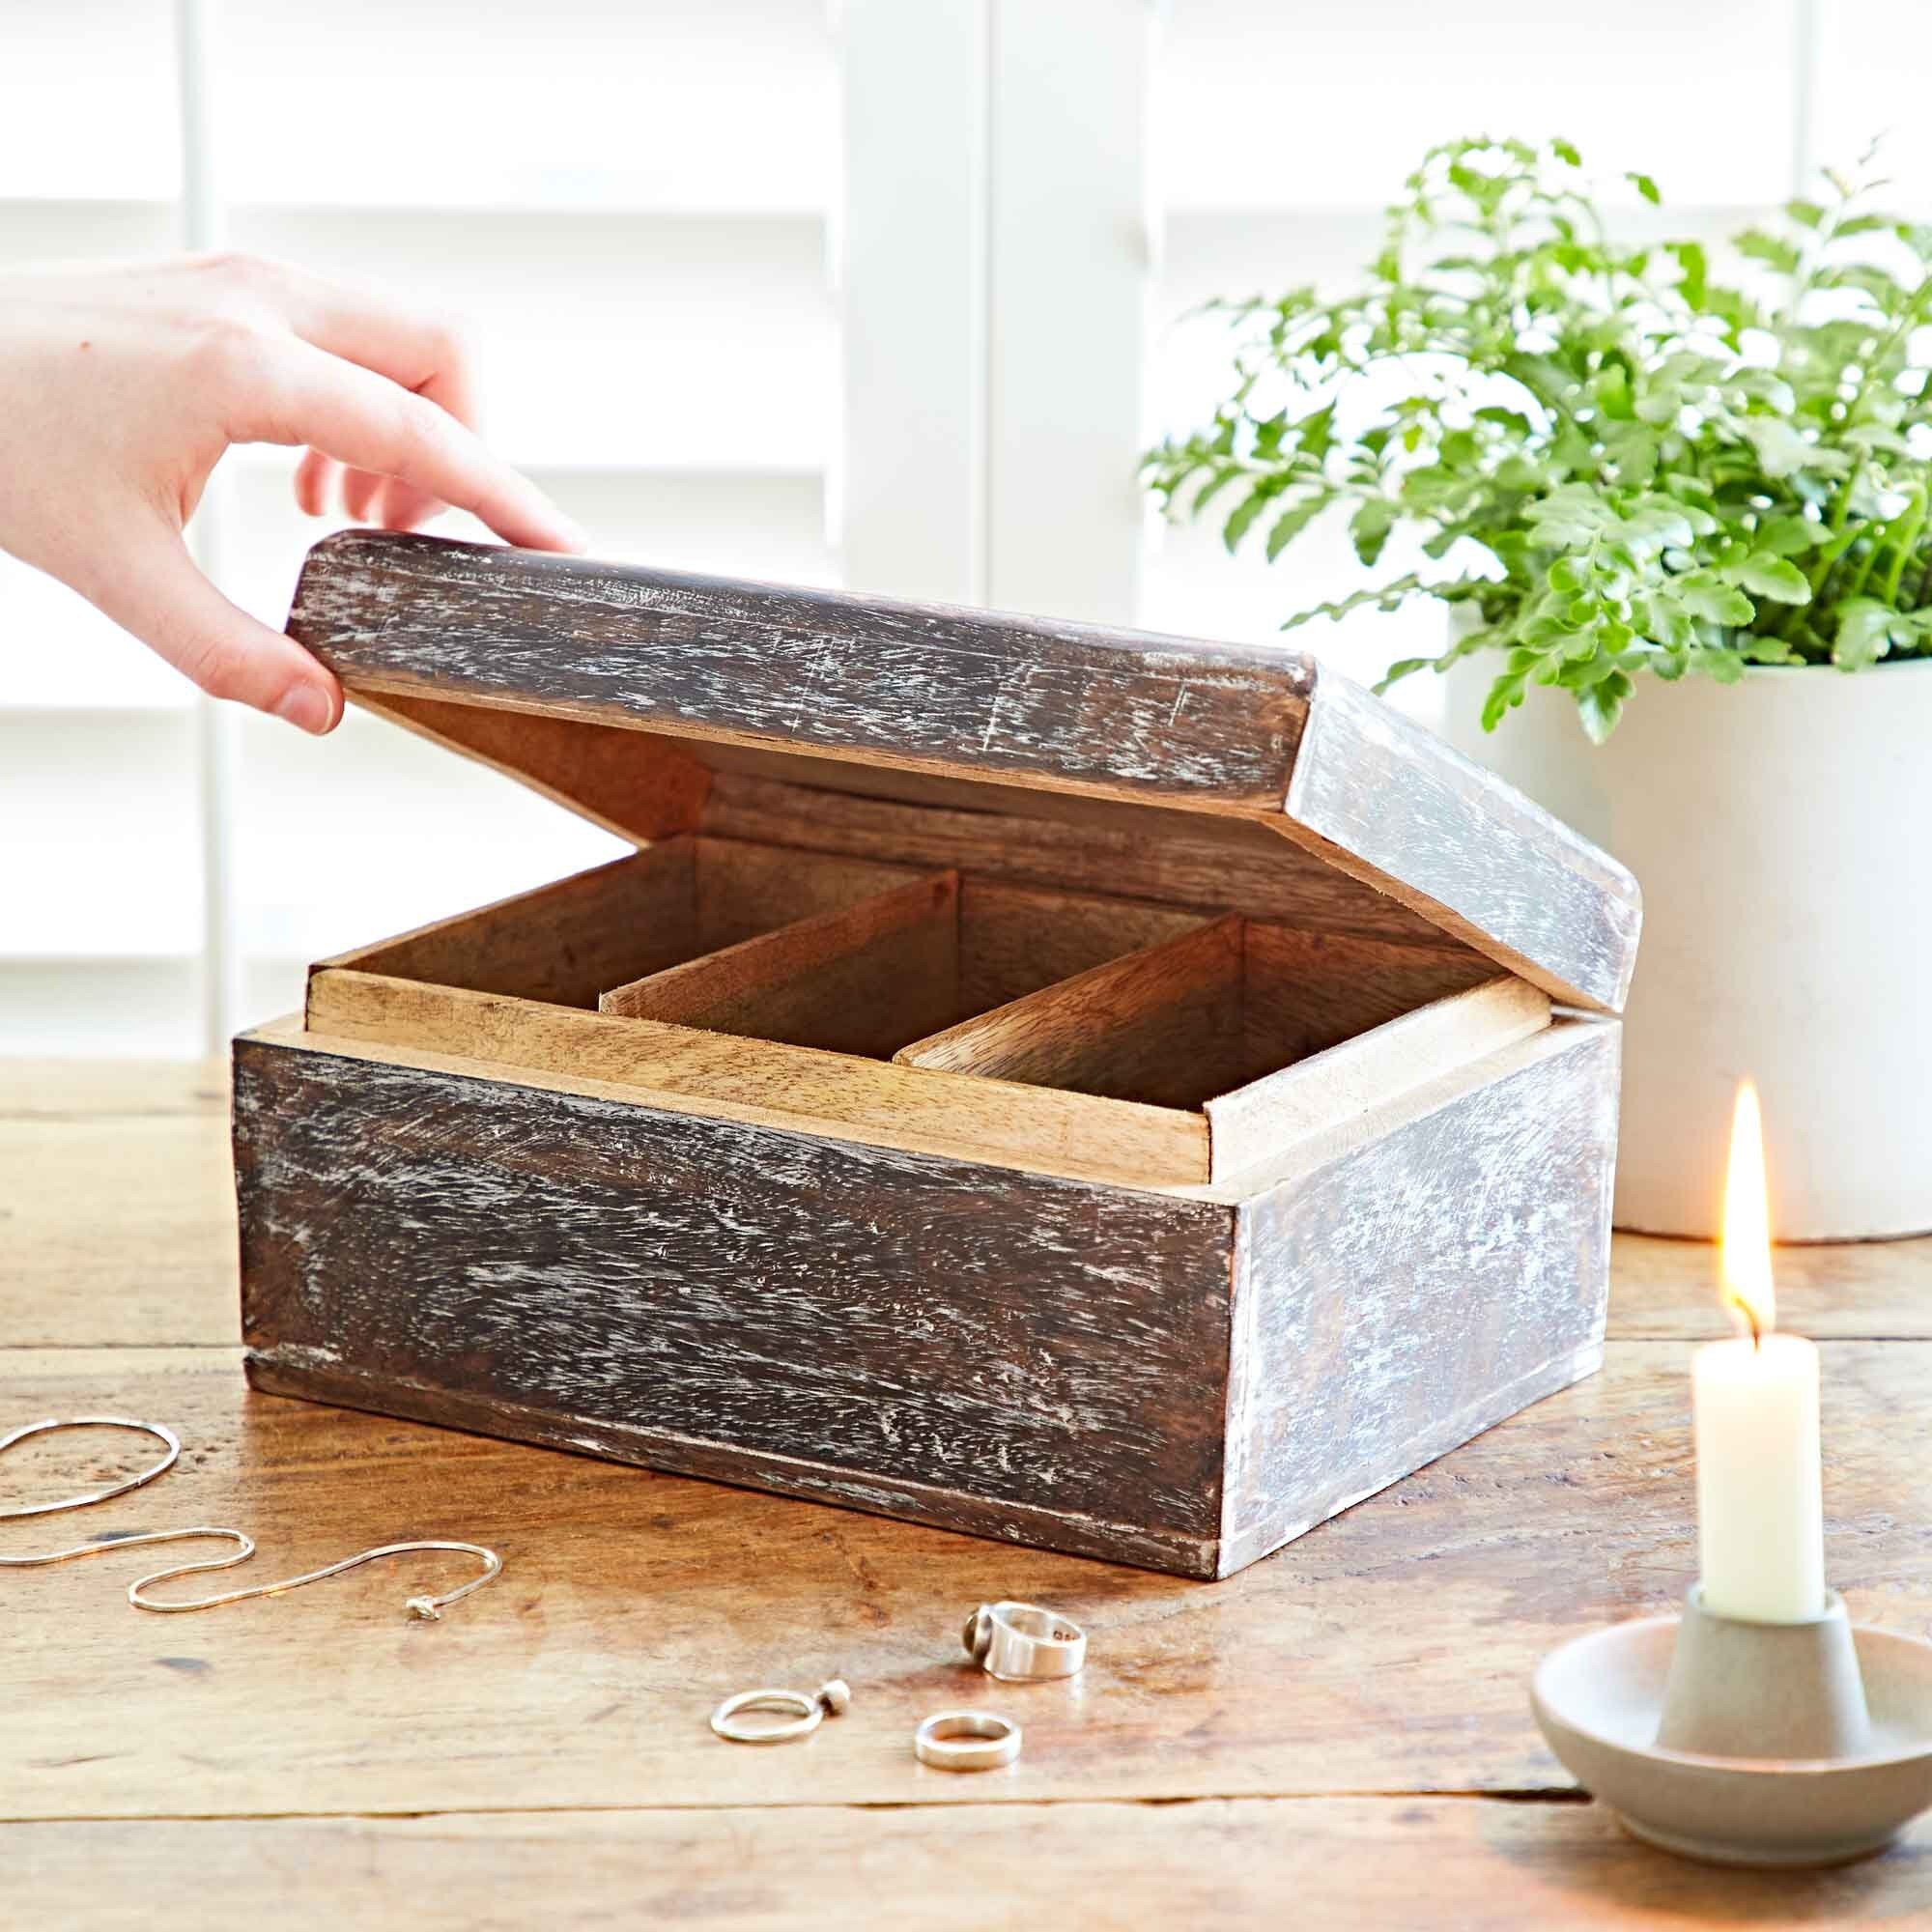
(860, 980)
(674, 900)
(891, 969)
(1277, 1034)
(1212, 1009)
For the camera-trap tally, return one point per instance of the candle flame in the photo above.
(1745, 1253)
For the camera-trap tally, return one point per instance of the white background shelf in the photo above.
(1271, 106)
(773, 288)
(705, 105)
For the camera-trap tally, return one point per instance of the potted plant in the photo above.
(1668, 510)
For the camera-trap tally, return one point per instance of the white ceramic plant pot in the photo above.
(1782, 831)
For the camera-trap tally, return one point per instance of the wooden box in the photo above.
(1088, 1090)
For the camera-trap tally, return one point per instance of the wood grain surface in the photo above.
(571, 939)
(1864, 1290)
(1012, 1353)
(637, 788)
(1426, 1865)
(563, 942)
(1343, 1727)
(807, 678)
(757, 1082)
(1204, 1015)
(1117, 999)
(1387, 800)
(815, 1315)
(117, 1203)
(1195, 861)
(164, 1266)
(864, 678)
(1015, 939)
(1338, 1083)
(1161, 1026)
(1387, 1650)
(1349, 1369)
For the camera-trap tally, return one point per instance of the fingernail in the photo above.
(574, 534)
(306, 707)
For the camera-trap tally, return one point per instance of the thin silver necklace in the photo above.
(429, 1607)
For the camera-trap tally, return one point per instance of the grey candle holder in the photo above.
(1745, 1743)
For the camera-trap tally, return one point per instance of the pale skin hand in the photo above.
(121, 386)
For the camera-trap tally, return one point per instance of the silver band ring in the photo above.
(1019, 1642)
(966, 1741)
(804, 1711)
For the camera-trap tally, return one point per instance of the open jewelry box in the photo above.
(1085, 1089)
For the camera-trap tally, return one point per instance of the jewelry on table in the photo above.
(805, 1709)
(427, 1607)
(1016, 1642)
(966, 1741)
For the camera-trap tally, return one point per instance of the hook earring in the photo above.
(428, 1609)
(159, 1431)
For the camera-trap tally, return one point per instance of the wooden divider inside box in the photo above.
(1065, 1032)
(871, 976)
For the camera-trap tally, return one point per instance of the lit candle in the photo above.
(1760, 1514)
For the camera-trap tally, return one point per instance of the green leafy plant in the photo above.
(1618, 462)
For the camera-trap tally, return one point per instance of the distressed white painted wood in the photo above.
(838, 689)
(1163, 1379)
(1430, 1278)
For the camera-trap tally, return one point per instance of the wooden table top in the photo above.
(1342, 1730)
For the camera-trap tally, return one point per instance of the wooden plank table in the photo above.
(1341, 1731)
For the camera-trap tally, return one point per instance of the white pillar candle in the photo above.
(1755, 1401)
(1760, 1515)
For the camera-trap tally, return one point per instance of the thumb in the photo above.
(155, 589)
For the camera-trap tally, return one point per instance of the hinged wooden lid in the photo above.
(621, 692)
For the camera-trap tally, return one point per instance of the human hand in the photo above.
(121, 386)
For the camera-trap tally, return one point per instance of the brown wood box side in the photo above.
(1008, 1354)
(1422, 1286)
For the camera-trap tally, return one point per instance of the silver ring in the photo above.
(966, 1741)
(806, 1711)
(1016, 1642)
